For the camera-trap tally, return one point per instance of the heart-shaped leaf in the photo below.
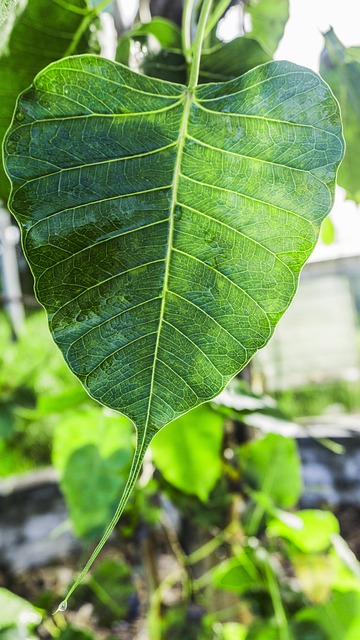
(166, 228)
(166, 225)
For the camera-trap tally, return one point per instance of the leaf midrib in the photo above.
(189, 95)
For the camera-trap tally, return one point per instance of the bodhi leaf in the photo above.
(55, 24)
(341, 69)
(166, 225)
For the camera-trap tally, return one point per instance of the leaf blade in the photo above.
(159, 284)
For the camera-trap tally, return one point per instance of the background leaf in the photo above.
(312, 534)
(161, 284)
(340, 67)
(339, 617)
(188, 453)
(14, 609)
(93, 452)
(21, 57)
(272, 466)
(267, 22)
(327, 232)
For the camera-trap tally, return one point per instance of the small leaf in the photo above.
(188, 453)
(154, 49)
(340, 67)
(237, 575)
(313, 536)
(272, 466)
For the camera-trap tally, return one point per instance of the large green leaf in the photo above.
(92, 451)
(166, 225)
(341, 69)
(50, 22)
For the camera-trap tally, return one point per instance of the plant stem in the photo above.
(219, 10)
(86, 21)
(139, 455)
(279, 610)
(195, 62)
(186, 29)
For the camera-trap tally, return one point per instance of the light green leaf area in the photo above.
(340, 67)
(272, 466)
(188, 453)
(92, 452)
(267, 22)
(312, 533)
(166, 228)
(15, 610)
(50, 22)
(339, 616)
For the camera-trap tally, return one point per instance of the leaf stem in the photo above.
(84, 24)
(219, 10)
(139, 455)
(200, 33)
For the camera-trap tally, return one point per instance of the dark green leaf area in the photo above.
(47, 21)
(166, 227)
